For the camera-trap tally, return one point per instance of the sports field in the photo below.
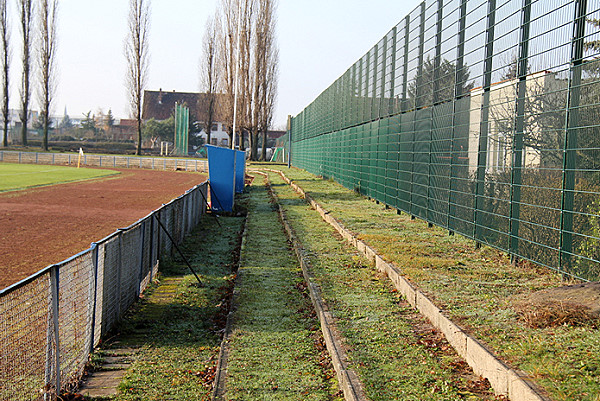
(47, 224)
(21, 176)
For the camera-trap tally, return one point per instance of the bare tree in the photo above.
(269, 72)
(270, 98)
(5, 54)
(210, 75)
(256, 65)
(47, 21)
(137, 54)
(228, 12)
(26, 16)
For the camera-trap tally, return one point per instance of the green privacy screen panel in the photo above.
(477, 116)
(182, 123)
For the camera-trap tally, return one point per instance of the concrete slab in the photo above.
(102, 384)
(428, 309)
(485, 364)
(454, 334)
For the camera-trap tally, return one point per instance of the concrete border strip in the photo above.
(348, 379)
(514, 384)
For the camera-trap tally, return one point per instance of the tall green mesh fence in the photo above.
(480, 116)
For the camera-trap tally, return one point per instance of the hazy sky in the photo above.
(318, 40)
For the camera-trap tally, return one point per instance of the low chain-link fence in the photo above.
(108, 161)
(480, 116)
(51, 321)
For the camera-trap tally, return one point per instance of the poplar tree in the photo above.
(137, 54)
(26, 18)
(5, 55)
(47, 51)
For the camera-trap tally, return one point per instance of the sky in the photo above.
(318, 41)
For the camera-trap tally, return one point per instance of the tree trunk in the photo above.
(264, 146)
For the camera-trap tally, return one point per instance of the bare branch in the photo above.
(47, 55)
(26, 10)
(5, 62)
(137, 55)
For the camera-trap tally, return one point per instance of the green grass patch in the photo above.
(176, 326)
(478, 287)
(392, 348)
(276, 350)
(21, 176)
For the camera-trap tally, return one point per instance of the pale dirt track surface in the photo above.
(46, 225)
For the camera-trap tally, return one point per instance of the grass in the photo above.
(21, 176)
(176, 327)
(276, 350)
(477, 287)
(396, 353)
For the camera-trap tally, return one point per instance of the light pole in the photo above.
(237, 68)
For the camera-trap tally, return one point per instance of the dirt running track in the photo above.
(46, 225)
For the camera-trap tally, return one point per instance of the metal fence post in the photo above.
(152, 246)
(458, 94)
(484, 124)
(141, 251)
(404, 104)
(435, 100)
(119, 270)
(571, 131)
(519, 128)
(94, 295)
(53, 355)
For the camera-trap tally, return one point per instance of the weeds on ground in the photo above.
(397, 355)
(477, 287)
(176, 327)
(276, 350)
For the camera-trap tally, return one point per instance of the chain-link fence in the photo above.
(480, 116)
(51, 321)
(154, 163)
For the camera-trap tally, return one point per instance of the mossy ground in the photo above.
(175, 327)
(476, 286)
(276, 350)
(396, 353)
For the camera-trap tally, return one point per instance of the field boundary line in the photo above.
(515, 384)
(348, 379)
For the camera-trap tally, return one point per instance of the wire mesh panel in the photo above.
(130, 248)
(110, 260)
(75, 287)
(24, 339)
(50, 322)
(493, 128)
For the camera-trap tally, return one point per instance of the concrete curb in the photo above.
(348, 379)
(516, 385)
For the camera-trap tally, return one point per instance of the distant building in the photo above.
(161, 104)
(14, 125)
(124, 129)
(501, 121)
